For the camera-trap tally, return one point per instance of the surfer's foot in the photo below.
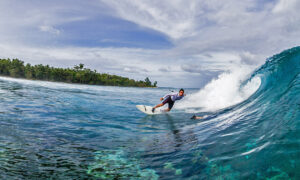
(194, 117)
(153, 109)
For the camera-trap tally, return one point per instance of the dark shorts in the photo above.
(169, 101)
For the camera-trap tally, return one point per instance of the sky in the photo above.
(177, 43)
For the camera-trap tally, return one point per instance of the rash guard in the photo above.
(174, 96)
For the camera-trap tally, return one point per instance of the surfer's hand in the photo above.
(161, 99)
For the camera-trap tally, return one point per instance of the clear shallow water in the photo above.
(53, 130)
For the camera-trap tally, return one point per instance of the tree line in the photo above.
(78, 74)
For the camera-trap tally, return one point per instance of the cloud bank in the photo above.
(178, 43)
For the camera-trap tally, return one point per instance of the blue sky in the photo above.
(177, 43)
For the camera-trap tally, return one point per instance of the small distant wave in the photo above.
(76, 88)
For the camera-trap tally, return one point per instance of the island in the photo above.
(78, 74)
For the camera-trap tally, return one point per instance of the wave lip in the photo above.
(280, 74)
(264, 128)
(227, 90)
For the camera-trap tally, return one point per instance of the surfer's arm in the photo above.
(166, 96)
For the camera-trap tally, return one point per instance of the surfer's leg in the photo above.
(159, 105)
(167, 110)
(170, 105)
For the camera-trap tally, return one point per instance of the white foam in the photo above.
(70, 86)
(222, 92)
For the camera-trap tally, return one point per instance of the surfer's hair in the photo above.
(181, 90)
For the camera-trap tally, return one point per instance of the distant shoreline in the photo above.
(78, 75)
(9, 78)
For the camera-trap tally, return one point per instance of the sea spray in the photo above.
(226, 90)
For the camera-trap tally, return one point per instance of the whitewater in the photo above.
(65, 131)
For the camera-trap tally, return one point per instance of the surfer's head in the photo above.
(181, 92)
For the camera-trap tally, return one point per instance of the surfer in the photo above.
(196, 117)
(170, 99)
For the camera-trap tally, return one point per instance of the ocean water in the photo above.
(251, 128)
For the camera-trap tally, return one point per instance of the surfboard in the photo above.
(148, 110)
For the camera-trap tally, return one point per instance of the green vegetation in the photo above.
(79, 74)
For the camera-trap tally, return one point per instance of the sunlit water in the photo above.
(62, 131)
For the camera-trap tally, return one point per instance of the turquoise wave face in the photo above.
(260, 138)
(54, 130)
(280, 73)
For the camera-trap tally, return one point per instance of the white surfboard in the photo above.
(148, 110)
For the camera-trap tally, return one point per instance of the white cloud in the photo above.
(208, 37)
(285, 5)
(49, 29)
(133, 63)
(199, 25)
(192, 68)
(174, 18)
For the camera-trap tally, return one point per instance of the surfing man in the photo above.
(170, 99)
(196, 117)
